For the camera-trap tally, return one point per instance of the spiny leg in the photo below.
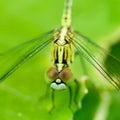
(76, 93)
(47, 92)
(46, 95)
(70, 98)
(53, 101)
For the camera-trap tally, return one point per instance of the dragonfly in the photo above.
(66, 41)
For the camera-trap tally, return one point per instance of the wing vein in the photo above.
(91, 59)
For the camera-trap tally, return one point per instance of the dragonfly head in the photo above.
(59, 79)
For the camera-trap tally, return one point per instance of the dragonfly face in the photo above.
(59, 78)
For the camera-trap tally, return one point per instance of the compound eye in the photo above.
(52, 73)
(65, 74)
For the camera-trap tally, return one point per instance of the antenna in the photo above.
(66, 18)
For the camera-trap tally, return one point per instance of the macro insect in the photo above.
(66, 41)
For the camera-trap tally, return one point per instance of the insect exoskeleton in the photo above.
(59, 79)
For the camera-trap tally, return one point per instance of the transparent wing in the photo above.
(96, 55)
(12, 59)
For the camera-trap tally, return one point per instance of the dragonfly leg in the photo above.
(45, 96)
(70, 98)
(76, 101)
(53, 101)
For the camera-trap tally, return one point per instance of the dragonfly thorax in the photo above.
(63, 35)
(61, 38)
(62, 48)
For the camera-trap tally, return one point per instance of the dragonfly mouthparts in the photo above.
(58, 84)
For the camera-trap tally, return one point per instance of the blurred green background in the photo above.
(26, 19)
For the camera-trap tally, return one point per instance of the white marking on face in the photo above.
(58, 85)
(58, 81)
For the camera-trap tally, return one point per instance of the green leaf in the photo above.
(20, 93)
